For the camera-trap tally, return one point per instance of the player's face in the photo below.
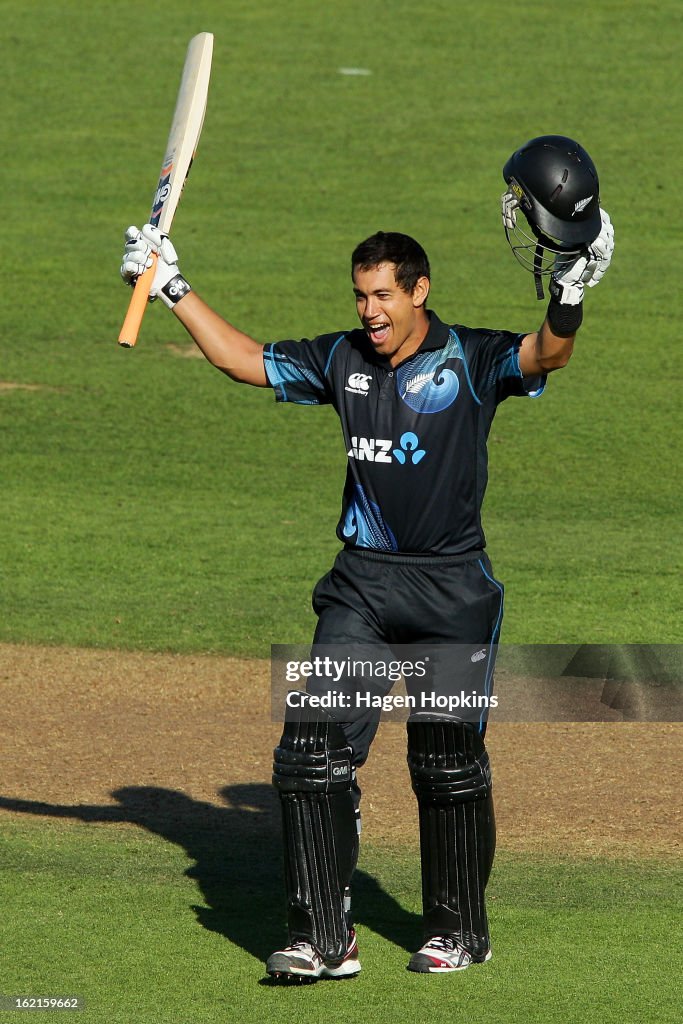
(395, 321)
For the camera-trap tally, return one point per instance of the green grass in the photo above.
(149, 503)
(175, 925)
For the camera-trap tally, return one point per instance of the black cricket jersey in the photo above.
(415, 434)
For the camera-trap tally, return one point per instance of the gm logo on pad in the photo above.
(340, 771)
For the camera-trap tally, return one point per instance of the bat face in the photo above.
(186, 127)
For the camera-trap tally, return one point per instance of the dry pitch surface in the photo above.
(80, 725)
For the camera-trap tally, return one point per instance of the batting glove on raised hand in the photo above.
(508, 207)
(601, 249)
(569, 279)
(168, 283)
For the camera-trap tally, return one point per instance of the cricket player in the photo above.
(416, 397)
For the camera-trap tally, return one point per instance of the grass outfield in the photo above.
(149, 503)
(121, 919)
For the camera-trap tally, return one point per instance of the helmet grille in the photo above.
(540, 254)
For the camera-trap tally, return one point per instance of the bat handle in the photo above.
(138, 303)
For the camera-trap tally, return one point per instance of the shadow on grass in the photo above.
(237, 857)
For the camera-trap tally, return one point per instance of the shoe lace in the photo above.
(300, 944)
(446, 943)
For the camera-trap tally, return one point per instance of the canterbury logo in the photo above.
(358, 383)
(581, 205)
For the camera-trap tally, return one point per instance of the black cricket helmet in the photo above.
(556, 186)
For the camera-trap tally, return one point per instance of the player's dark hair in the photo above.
(407, 255)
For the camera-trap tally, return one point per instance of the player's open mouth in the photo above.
(378, 332)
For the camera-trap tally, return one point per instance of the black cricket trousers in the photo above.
(373, 598)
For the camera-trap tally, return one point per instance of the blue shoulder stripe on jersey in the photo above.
(282, 370)
(541, 378)
(464, 363)
(275, 379)
(537, 392)
(332, 351)
(506, 365)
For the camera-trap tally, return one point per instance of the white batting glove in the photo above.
(601, 250)
(569, 280)
(168, 284)
(509, 205)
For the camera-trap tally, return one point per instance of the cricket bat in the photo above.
(181, 147)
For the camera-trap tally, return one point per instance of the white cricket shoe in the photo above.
(301, 962)
(443, 954)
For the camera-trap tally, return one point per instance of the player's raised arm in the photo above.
(551, 346)
(227, 348)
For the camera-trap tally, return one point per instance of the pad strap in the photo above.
(312, 757)
(448, 762)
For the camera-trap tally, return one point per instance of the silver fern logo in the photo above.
(581, 205)
(416, 384)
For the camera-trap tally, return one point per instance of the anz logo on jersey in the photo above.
(375, 449)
